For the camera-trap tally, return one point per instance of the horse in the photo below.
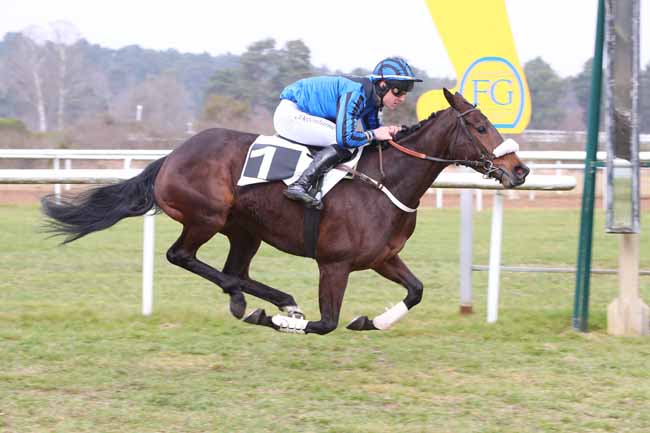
(360, 228)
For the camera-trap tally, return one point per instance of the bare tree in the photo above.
(24, 71)
(49, 71)
(63, 35)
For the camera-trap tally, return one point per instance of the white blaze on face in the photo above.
(508, 146)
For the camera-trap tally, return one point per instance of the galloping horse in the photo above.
(196, 185)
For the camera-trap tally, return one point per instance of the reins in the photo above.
(485, 162)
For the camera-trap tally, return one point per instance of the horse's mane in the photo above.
(408, 130)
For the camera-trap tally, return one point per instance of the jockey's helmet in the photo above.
(397, 74)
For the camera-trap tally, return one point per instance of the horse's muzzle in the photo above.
(518, 175)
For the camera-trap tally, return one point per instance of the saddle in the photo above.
(271, 158)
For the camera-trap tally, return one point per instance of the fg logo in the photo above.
(495, 85)
(485, 60)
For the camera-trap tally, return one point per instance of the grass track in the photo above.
(76, 356)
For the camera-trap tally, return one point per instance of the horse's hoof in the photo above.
(361, 323)
(237, 305)
(256, 317)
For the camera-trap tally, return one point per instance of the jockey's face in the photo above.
(393, 98)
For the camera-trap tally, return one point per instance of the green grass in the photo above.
(76, 355)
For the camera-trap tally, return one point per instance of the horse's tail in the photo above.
(101, 207)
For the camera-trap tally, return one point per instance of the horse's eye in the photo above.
(481, 129)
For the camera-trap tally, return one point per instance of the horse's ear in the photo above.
(448, 96)
(460, 95)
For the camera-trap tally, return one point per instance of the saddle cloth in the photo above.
(272, 158)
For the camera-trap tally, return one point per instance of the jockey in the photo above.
(325, 112)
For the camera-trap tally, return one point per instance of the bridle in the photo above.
(485, 162)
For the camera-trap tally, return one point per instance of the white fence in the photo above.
(467, 181)
(551, 136)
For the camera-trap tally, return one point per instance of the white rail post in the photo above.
(68, 166)
(604, 188)
(56, 163)
(466, 238)
(479, 200)
(148, 242)
(438, 198)
(495, 258)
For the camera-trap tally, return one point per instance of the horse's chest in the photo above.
(395, 238)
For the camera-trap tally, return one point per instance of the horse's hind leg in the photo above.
(243, 247)
(183, 253)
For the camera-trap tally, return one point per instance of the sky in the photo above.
(341, 34)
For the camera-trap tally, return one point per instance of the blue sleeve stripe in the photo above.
(342, 121)
(346, 122)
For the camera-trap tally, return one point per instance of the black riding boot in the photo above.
(322, 162)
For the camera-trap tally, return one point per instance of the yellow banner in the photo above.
(478, 39)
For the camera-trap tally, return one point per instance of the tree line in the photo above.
(68, 88)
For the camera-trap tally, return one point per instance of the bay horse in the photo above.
(196, 185)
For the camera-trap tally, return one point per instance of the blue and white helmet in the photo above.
(396, 72)
(393, 68)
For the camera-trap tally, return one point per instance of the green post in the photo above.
(583, 274)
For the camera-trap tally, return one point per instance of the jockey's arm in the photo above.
(350, 106)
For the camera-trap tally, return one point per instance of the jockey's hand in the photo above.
(386, 132)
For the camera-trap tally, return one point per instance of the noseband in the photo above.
(485, 162)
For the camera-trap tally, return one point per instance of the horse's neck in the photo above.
(409, 177)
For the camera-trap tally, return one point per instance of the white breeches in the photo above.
(304, 128)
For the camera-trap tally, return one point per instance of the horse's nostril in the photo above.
(521, 171)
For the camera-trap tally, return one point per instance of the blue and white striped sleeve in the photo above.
(371, 120)
(347, 118)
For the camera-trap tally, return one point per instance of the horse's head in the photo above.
(476, 140)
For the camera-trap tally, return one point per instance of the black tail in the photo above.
(101, 207)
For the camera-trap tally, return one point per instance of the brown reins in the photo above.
(485, 162)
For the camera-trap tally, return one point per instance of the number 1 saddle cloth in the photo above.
(272, 158)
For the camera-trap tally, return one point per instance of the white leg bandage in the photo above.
(291, 325)
(293, 311)
(390, 316)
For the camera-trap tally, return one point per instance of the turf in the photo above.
(76, 355)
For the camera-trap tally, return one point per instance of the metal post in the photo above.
(495, 258)
(466, 239)
(583, 275)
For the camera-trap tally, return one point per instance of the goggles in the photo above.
(400, 87)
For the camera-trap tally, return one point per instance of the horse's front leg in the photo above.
(395, 270)
(331, 288)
